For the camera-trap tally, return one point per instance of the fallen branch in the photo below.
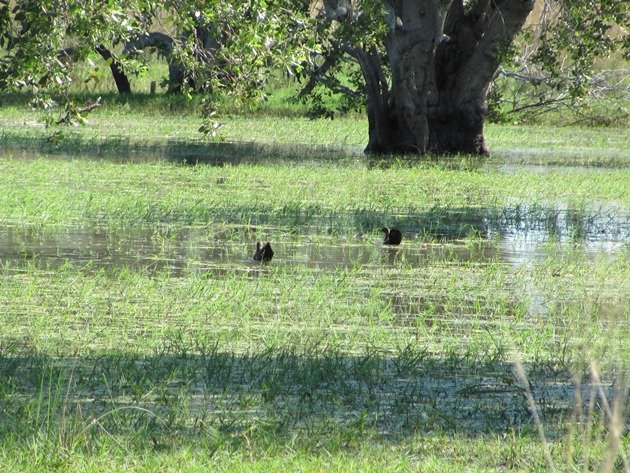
(72, 114)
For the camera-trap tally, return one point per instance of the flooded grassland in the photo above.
(135, 321)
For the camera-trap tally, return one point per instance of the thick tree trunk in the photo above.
(465, 63)
(457, 113)
(122, 82)
(398, 117)
(415, 29)
(442, 56)
(459, 132)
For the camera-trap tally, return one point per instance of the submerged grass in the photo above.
(170, 128)
(138, 335)
(332, 198)
(238, 365)
(245, 306)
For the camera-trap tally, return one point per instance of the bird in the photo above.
(393, 236)
(263, 252)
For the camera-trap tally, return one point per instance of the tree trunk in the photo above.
(379, 124)
(442, 56)
(165, 46)
(205, 47)
(465, 63)
(415, 29)
(122, 82)
(398, 117)
(459, 132)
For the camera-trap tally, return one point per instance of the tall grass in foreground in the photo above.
(414, 365)
(281, 425)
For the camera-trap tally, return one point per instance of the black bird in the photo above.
(393, 236)
(263, 252)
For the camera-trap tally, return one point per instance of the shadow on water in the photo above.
(290, 389)
(220, 153)
(560, 157)
(188, 152)
(513, 235)
(233, 153)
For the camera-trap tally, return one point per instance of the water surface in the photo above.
(512, 235)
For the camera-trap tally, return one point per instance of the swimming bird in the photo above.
(393, 236)
(263, 252)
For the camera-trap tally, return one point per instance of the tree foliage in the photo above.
(376, 53)
(555, 61)
(230, 46)
(573, 56)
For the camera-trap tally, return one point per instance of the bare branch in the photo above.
(599, 84)
(318, 75)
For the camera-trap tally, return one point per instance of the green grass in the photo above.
(332, 198)
(71, 311)
(138, 334)
(435, 453)
(141, 123)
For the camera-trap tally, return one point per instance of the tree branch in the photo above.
(506, 21)
(515, 75)
(331, 60)
(164, 43)
(542, 103)
(600, 82)
(73, 113)
(338, 88)
(454, 16)
(122, 82)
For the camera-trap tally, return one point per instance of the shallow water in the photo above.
(300, 154)
(465, 398)
(514, 236)
(562, 152)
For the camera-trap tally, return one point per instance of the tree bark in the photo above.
(415, 29)
(465, 63)
(442, 55)
(398, 115)
(205, 50)
(377, 101)
(122, 82)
